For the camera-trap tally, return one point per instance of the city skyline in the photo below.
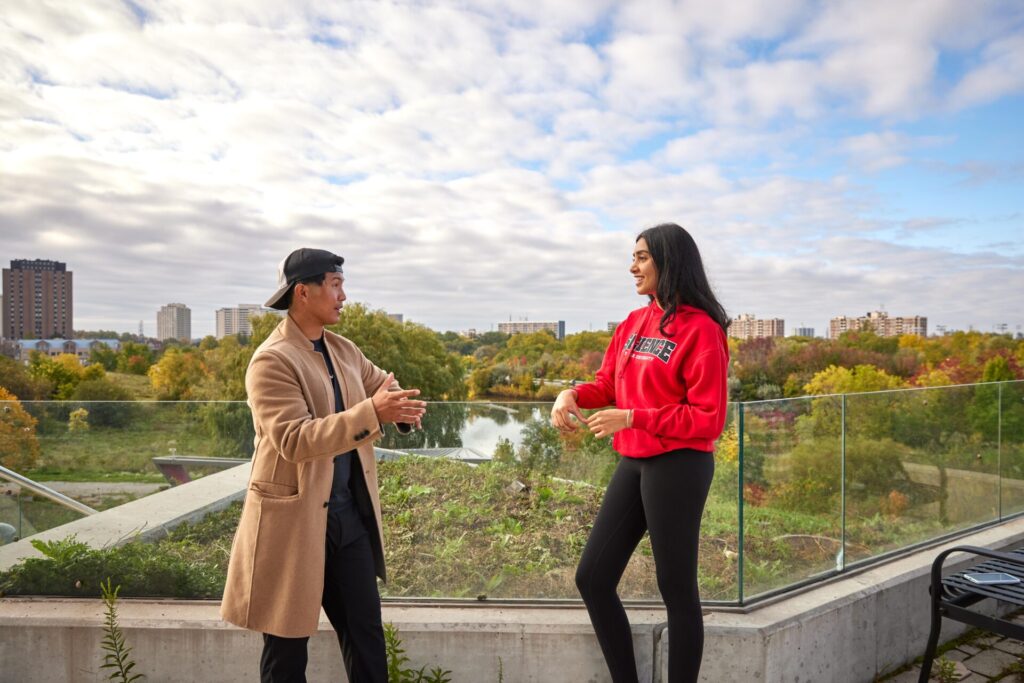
(738, 322)
(482, 162)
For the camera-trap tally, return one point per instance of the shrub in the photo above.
(110, 405)
(809, 478)
(230, 424)
(78, 421)
(70, 567)
(397, 661)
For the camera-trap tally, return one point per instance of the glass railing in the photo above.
(792, 491)
(489, 501)
(24, 513)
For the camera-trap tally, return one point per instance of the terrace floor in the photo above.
(978, 657)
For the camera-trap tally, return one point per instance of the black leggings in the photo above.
(664, 495)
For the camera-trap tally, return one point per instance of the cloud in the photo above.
(479, 161)
(1001, 73)
(885, 149)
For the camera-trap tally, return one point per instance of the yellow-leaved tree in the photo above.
(19, 448)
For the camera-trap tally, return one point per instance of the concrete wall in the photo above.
(849, 630)
(59, 640)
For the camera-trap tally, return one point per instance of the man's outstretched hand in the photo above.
(396, 405)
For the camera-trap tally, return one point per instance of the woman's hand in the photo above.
(607, 422)
(563, 410)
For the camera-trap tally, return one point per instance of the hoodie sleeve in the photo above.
(702, 414)
(601, 392)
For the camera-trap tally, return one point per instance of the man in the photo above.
(310, 531)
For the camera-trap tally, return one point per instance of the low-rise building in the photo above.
(55, 347)
(746, 326)
(531, 326)
(881, 323)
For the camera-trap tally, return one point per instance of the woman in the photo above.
(665, 371)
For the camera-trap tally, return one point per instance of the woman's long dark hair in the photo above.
(681, 278)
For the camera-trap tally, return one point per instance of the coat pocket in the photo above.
(270, 489)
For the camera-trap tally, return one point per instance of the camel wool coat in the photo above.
(276, 570)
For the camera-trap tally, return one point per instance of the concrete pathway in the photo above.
(977, 657)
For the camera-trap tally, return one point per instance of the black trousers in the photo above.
(352, 604)
(665, 496)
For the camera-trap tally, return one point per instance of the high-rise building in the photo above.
(236, 320)
(746, 326)
(397, 317)
(37, 300)
(880, 323)
(612, 326)
(174, 321)
(529, 327)
(804, 332)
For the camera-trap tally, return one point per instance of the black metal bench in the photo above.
(952, 596)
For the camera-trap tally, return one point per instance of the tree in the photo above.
(413, 352)
(262, 326)
(576, 345)
(225, 367)
(541, 448)
(529, 347)
(109, 404)
(63, 372)
(103, 355)
(177, 374)
(16, 379)
(870, 415)
(861, 378)
(19, 448)
(134, 358)
(985, 407)
(208, 342)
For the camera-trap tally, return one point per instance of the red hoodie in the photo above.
(675, 383)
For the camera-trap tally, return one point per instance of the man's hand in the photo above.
(395, 405)
(607, 422)
(565, 406)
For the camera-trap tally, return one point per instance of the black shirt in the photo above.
(341, 495)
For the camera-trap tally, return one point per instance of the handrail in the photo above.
(45, 491)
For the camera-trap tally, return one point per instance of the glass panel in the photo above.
(502, 506)
(920, 464)
(488, 499)
(1011, 445)
(23, 513)
(792, 491)
(719, 558)
(117, 443)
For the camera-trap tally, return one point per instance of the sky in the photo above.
(481, 161)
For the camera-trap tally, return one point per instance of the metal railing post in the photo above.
(739, 486)
(45, 491)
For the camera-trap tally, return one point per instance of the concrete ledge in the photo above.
(150, 517)
(59, 640)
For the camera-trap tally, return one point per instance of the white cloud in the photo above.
(478, 160)
(885, 149)
(1001, 73)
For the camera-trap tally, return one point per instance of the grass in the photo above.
(458, 531)
(120, 453)
(140, 387)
